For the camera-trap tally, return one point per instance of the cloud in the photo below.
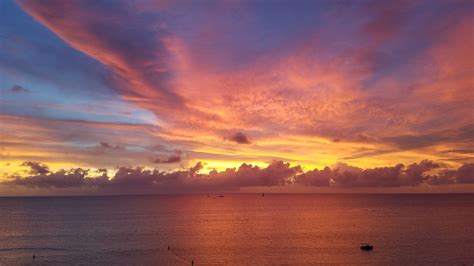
(277, 173)
(465, 133)
(106, 146)
(465, 174)
(414, 173)
(36, 168)
(239, 138)
(318, 178)
(444, 178)
(174, 158)
(59, 179)
(103, 147)
(136, 53)
(390, 78)
(394, 176)
(344, 175)
(19, 89)
(384, 22)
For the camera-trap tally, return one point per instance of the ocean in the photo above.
(238, 229)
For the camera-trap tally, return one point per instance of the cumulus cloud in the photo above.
(344, 175)
(318, 178)
(239, 138)
(465, 174)
(60, 179)
(36, 168)
(277, 173)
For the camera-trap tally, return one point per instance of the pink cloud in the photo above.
(396, 78)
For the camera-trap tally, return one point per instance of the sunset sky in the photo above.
(191, 96)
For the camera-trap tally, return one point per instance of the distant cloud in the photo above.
(465, 174)
(344, 175)
(277, 173)
(60, 179)
(174, 158)
(19, 89)
(36, 168)
(106, 145)
(239, 138)
(103, 147)
(317, 178)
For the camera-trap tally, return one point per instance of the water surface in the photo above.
(238, 229)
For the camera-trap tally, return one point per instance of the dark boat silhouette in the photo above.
(366, 246)
(221, 196)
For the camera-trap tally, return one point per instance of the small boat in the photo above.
(263, 194)
(366, 246)
(221, 196)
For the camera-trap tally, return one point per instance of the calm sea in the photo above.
(238, 229)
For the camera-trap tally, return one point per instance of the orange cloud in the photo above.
(387, 87)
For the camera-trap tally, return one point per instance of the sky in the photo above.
(142, 96)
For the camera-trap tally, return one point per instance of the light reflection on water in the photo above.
(238, 229)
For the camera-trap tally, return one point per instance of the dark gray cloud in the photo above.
(174, 158)
(36, 168)
(103, 147)
(465, 174)
(318, 178)
(19, 89)
(239, 138)
(106, 145)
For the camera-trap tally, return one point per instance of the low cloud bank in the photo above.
(344, 175)
(277, 173)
